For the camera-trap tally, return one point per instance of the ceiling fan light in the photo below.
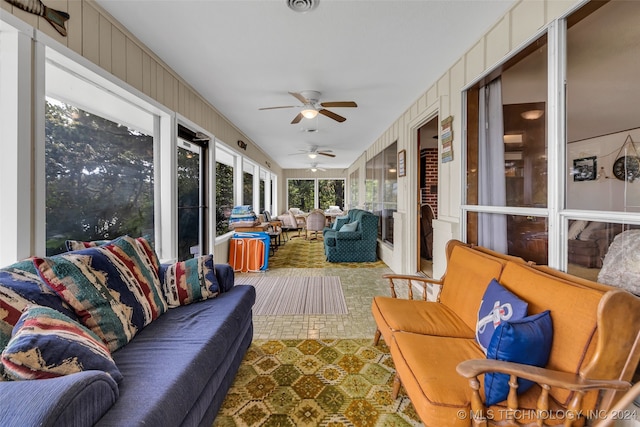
(314, 169)
(312, 155)
(309, 113)
(532, 114)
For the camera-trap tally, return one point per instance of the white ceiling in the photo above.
(242, 55)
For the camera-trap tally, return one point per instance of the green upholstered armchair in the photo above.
(358, 245)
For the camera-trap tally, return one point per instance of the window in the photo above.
(576, 145)
(507, 157)
(99, 177)
(224, 189)
(354, 186)
(247, 184)
(190, 200)
(382, 189)
(330, 193)
(301, 194)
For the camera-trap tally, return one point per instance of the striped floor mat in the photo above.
(297, 295)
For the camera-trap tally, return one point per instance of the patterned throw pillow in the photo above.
(78, 245)
(47, 344)
(20, 285)
(525, 341)
(110, 288)
(498, 305)
(190, 281)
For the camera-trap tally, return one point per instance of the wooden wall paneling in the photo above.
(105, 43)
(47, 28)
(146, 73)
(75, 25)
(27, 17)
(6, 6)
(159, 84)
(134, 64)
(118, 54)
(168, 90)
(90, 34)
(153, 78)
(175, 88)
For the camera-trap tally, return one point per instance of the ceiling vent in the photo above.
(302, 6)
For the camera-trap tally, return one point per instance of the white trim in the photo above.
(17, 141)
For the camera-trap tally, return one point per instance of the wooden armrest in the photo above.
(410, 279)
(472, 368)
(545, 378)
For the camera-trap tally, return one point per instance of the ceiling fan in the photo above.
(313, 152)
(314, 168)
(311, 106)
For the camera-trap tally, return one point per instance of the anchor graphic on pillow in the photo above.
(495, 316)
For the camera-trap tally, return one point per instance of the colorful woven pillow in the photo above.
(46, 344)
(190, 281)
(111, 288)
(498, 305)
(78, 245)
(20, 285)
(525, 341)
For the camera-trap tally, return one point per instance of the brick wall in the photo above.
(429, 178)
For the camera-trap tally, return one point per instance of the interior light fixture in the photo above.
(312, 155)
(309, 113)
(392, 170)
(513, 139)
(532, 114)
(314, 169)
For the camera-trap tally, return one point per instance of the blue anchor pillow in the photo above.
(498, 305)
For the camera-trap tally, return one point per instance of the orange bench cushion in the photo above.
(427, 368)
(422, 317)
(468, 275)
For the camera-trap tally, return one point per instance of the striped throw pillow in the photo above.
(47, 344)
(190, 281)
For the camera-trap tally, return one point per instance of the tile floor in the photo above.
(359, 285)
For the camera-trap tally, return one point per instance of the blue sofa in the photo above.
(176, 371)
(359, 245)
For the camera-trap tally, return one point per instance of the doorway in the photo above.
(428, 193)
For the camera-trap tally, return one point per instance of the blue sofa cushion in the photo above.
(190, 281)
(47, 344)
(525, 341)
(169, 363)
(21, 285)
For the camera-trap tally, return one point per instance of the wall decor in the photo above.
(56, 18)
(242, 144)
(446, 136)
(585, 169)
(402, 162)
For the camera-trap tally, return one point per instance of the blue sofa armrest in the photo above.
(349, 235)
(225, 276)
(73, 400)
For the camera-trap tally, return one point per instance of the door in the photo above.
(427, 186)
(190, 200)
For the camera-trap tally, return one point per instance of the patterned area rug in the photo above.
(301, 253)
(297, 295)
(328, 383)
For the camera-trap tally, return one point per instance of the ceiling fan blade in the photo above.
(274, 108)
(297, 119)
(339, 104)
(324, 153)
(300, 98)
(332, 115)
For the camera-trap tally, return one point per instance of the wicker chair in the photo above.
(316, 222)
